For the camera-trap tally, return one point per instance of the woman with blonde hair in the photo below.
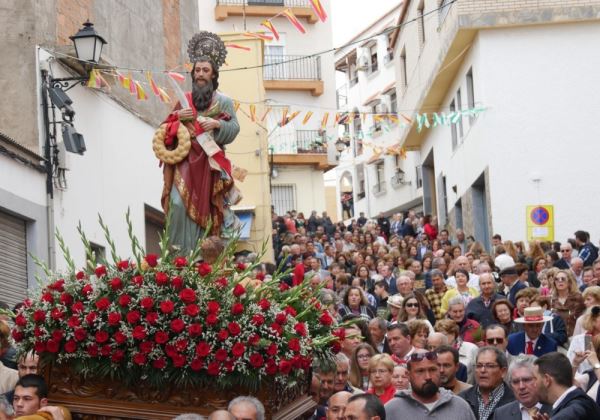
(359, 366)
(381, 367)
(591, 298)
(566, 301)
(591, 325)
(511, 250)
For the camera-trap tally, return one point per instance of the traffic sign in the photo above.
(540, 222)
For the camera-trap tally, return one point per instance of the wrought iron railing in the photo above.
(310, 141)
(286, 3)
(291, 67)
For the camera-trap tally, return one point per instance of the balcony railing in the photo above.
(379, 188)
(286, 3)
(310, 141)
(291, 67)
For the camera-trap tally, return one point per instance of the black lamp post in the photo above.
(88, 49)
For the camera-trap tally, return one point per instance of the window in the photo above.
(379, 187)
(373, 65)
(470, 93)
(360, 176)
(393, 101)
(403, 75)
(460, 119)
(99, 252)
(421, 21)
(453, 127)
(419, 176)
(389, 56)
(375, 111)
(283, 198)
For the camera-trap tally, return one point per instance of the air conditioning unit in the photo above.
(362, 64)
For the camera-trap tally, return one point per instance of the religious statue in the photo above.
(199, 187)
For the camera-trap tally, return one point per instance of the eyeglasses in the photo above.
(525, 381)
(363, 356)
(379, 371)
(418, 357)
(498, 340)
(412, 305)
(486, 366)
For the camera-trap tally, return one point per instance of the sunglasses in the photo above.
(412, 305)
(495, 340)
(418, 357)
(595, 311)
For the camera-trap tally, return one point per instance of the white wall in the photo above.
(310, 188)
(541, 88)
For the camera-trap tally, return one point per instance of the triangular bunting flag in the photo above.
(269, 25)
(293, 20)
(318, 9)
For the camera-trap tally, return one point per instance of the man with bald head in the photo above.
(221, 415)
(337, 404)
(577, 269)
(480, 308)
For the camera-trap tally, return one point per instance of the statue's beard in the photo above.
(202, 95)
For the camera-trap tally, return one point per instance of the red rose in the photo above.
(272, 349)
(196, 364)
(17, 335)
(57, 335)
(213, 307)
(223, 335)
(137, 280)
(101, 336)
(66, 299)
(39, 347)
(90, 317)
(195, 330)
(87, 289)
(146, 346)
(258, 320)
(283, 286)
(181, 344)
(92, 350)
(264, 304)
(152, 260)
(147, 303)
(170, 350)
(77, 307)
(271, 368)
(254, 339)
(47, 297)
(166, 306)
(139, 359)
(211, 319)
(178, 360)
(105, 350)
(117, 356)
(53, 346)
(100, 271)
(234, 328)
(221, 282)
(221, 355)
(281, 318)
(38, 332)
(240, 266)
(340, 333)
(139, 332)
(213, 368)
(326, 319)
(39, 316)
(116, 283)
(122, 265)
(58, 285)
(159, 363)
(133, 317)
(102, 304)
(177, 282)
(256, 360)
(80, 334)
(74, 321)
(161, 337)
(192, 310)
(277, 328)
(290, 311)
(177, 325)
(294, 345)
(114, 318)
(260, 276)
(300, 328)
(187, 295)
(162, 279)
(285, 367)
(237, 308)
(297, 361)
(56, 313)
(124, 300)
(237, 350)
(180, 262)
(238, 290)
(204, 269)
(80, 275)
(119, 337)
(202, 349)
(152, 317)
(336, 347)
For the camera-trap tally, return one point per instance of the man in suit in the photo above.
(522, 382)
(531, 341)
(512, 285)
(554, 384)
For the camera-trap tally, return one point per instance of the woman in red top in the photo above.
(429, 227)
(381, 367)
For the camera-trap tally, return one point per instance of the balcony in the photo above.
(379, 189)
(293, 72)
(307, 148)
(263, 8)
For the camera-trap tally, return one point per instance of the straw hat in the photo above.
(395, 301)
(533, 315)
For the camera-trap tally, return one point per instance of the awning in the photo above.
(371, 98)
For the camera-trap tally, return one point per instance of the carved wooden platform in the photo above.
(103, 400)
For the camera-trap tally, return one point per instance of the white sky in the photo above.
(349, 17)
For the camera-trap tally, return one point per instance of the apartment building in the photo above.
(294, 80)
(529, 64)
(372, 175)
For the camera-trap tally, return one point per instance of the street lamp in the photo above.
(88, 44)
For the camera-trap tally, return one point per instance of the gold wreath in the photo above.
(176, 155)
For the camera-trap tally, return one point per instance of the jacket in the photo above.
(447, 407)
(576, 405)
(8, 378)
(470, 396)
(516, 344)
(512, 411)
(477, 310)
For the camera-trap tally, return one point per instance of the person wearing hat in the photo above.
(512, 285)
(531, 340)
(394, 304)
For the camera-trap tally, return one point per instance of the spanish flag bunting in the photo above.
(293, 20)
(337, 118)
(153, 85)
(293, 115)
(253, 112)
(408, 119)
(307, 117)
(378, 117)
(265, 113)
(393, 119)
(141, 93)
(269, 25)
(318, 9)
(176, 76)
(258, 35)
(124, 80)
(239, 47)
(236, 105)
(284, 116)
(92, 82)
(324, 120)
(403, 153)
(102, 80)
(163, 96)
(132, 85)
(363, 116)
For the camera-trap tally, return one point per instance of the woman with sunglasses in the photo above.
(381, 367)
(581, 343)
(567, 302)
(412, 310)
(359, 366)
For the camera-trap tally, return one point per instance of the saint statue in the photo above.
(199, 189)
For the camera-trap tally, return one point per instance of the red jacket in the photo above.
(430, 231)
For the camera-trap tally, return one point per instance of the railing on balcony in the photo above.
(291, 67)
(286, 3)
(379, 188)
(310, 141)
